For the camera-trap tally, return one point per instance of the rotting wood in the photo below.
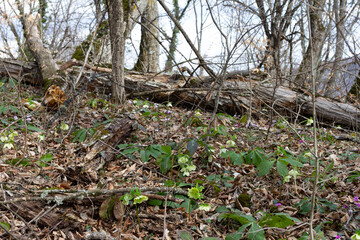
(115, 133)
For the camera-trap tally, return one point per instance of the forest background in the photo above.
(262, 141)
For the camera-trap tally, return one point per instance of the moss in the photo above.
(80, 51)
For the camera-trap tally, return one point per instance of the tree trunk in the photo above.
(340, 12)
(42, 55)
(100, 54)
(116, 24)
(317, 37)
(148, 60)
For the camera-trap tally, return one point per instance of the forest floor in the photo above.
(236, 181)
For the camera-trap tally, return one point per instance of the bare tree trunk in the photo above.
(275, 27)
(148, 60)
(340, 12)
(317, 37)
(175, 31)
(116, 24)
(173, 39)
(42, 55)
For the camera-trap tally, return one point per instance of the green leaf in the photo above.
(294, 163)
(305, 208)
(242, 219)
(46, 157)
(80, 135)
(34, 129)
(123, 146)
(126, 198)
(166, 149)
(243, 118)
(235, 158)
(239, 234)
(328, 167)
(222, 209)
(5, 225)
(222, 129)
(328, 204)
(155, 151)
(183, 235)
(189, 203)
(14, 109)
(256, 232)
(255, 157)
(279, 220)
(155, 202)
(192, 146)
(92, 131)
(209, 238)
(264, 167)
(3, 109)
(144, 155)
(130, 150)
(282, 168)
(234, 236)
(165, 163)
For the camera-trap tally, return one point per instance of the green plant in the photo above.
(195, 193)
(235, 158)
(356, 236)
(255, 227)
(135, 196)
(96, 103)
(353, 177)
(283, 159)
(7, 139)
(216, 181)
(162, 153)
(281, 124)
(19, 161)
(81, 134)
(261, 160)
(321, 205)
(45, 160)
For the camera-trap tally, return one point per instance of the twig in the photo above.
(80, 194)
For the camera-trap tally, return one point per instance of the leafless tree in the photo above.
(148, 60)
(30, 23)
(116, 24)
(318, 32)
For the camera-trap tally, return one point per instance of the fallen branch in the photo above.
(81, 194)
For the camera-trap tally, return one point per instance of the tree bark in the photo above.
(340, 12)
(317, 37)
(116, 24)
(148, 60)
(42, 55)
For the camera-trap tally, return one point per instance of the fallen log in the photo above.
(235, 97)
